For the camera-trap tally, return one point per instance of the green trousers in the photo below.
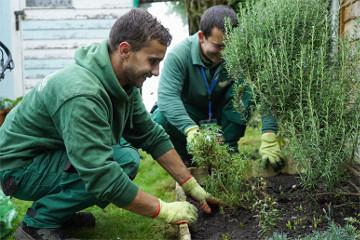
(58, 193)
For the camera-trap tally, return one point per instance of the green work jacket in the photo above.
(84, 110)
(183, 96)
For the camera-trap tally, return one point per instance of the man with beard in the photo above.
(60, 146)
(195, 88)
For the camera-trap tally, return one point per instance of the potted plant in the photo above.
(6, 105)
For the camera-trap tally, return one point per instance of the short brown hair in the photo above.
(215, 17)
(138, 27)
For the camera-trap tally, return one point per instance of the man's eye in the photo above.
(153, 61)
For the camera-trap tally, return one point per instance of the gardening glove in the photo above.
(193, 188)
(191, 132)
(176, 212)
(270, 152)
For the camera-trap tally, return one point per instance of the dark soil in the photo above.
(300, 213)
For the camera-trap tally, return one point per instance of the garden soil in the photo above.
(300, 213)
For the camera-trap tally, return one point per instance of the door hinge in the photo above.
(18, 14)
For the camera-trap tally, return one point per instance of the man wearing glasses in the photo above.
(195, 88)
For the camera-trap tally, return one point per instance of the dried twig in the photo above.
(337, 193)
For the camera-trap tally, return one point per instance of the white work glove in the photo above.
(191, 132)
(176, 212)
(192, 188)
(270, 152)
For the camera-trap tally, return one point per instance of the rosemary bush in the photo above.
(229, 178)
(282, 49)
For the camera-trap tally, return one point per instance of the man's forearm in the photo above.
(144, 204)
(173, 164)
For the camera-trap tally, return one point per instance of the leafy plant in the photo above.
(334, 232)
(267, 214)
(283, 50)
(7, 103)
(230, 173)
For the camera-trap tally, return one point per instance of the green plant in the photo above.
(225, 236)
(7, 103)
(282, 48)
(334, 232)
(316, 221)
(267, 214)
(354, 221)
(230, 173)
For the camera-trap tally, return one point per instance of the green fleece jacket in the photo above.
(183, 95)
(84, 110)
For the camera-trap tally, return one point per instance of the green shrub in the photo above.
(230, 173)
(334, 232)
(6, 103)
(283, 50)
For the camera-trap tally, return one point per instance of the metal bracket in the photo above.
(18, 14)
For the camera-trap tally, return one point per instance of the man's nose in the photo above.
(155, 71)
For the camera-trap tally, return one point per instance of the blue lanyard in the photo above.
(210, 89)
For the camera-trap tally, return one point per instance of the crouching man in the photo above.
(63, 146)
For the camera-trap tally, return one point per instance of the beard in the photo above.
(135, 79)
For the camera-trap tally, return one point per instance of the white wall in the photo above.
(179, 32)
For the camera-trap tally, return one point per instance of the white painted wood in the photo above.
(30, 83)
(47, 63)
(66, 34)
(61, 24)
(52, 35)
(49, 53)
(102, 4)
(56, 44)
(352, 30)
(17, 53)
(38, 73)
(351, 11)
(53, 14)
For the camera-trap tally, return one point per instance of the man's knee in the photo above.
(132, 167)
(128, 158)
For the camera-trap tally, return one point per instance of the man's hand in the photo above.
(191, 132)
(270, 152)
(193, 188)
(176, 212)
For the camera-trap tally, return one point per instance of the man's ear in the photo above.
(124, 49)
(201, 36)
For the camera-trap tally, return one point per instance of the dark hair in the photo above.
(215, 17)
(138, 27)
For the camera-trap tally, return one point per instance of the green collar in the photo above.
(195, 50)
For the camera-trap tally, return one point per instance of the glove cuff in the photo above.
(188, 185)
(191, 129)
(268, 137)
(187, 179)
(157, 211)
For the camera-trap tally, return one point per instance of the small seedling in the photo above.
(267, 214)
